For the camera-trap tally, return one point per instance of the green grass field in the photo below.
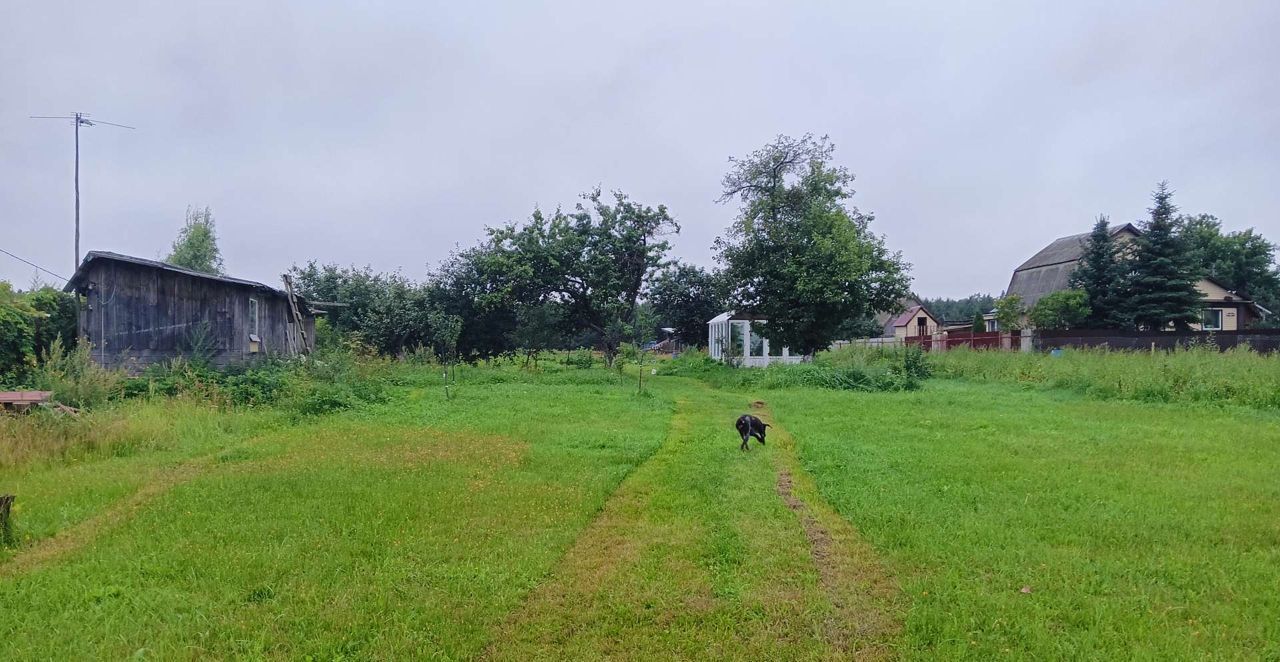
(563, 516)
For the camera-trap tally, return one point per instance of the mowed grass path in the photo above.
(1140, 531)
(408, 530)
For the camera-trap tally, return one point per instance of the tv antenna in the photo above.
(78, 119)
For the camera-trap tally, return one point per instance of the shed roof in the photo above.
(77, 279)
(735, 316)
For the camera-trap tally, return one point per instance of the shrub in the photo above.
(74, 378)
(579, 358)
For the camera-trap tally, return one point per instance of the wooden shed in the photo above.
(136, 312)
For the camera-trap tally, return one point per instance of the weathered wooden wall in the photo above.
(136, 315)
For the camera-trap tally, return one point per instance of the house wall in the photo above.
(135, 316)
(912, 326)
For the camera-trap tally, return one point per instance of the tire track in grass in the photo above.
(865, 598)
(696, 556)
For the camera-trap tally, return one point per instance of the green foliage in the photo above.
(685, 297)
(960, 309)
(17, 335)
(579, 358)
(1163, 284)
(979, 323)
(328, 381)
(1009, 312)
(387, 312)
(798, 254)
(75, 378)
(1103, 275)
(596, 260)
(1064, 309)
(197, 244)
(1243, 262)
(539, 327)
(58, 319)
(849, 368)
(1194, 374)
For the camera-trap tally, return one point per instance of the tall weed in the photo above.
(1191, 374)
(74, 378)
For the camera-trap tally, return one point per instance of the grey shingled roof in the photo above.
(1050, 270)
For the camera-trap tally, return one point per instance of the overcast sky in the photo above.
(389, 134)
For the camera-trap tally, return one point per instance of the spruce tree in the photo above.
(1163, 286)
(979, 324)
(1102, 275)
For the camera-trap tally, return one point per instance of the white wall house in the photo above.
(731, 339)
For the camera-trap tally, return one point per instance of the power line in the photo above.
(80, 119)
(32, 264)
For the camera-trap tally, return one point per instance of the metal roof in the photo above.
(78, 277)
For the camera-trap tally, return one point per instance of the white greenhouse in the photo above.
(731, 339)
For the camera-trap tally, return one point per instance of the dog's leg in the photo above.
(745, 446)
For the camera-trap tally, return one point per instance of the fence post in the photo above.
(1028, 340)
(6, 529)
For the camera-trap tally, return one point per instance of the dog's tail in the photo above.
(767, 425)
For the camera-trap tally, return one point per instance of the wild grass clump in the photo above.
(74, 378)
(1191, 374)
(323, 382)
(116, 430)
(885, 371)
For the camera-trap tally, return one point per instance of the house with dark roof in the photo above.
(1050, 270)
(136, 312)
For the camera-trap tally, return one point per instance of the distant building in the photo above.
(1050, 270)
(915, 321)
(732, 339)
(136, 312)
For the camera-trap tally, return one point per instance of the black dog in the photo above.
(749, 426)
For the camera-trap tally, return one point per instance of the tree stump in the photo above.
(6, 530)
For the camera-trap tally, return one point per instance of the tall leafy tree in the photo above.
(798, 254)
(1242, 261)
(1103, 275)
(1163, 283)
(685, 297)
(596, 260)
(197, 244)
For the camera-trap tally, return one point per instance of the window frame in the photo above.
(255, 316)
(1204, 326)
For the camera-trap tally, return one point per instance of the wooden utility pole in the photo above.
(78, 119)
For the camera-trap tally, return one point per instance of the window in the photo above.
(253, 316)
(735, 338)
(1212, 319)
(757, 343)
